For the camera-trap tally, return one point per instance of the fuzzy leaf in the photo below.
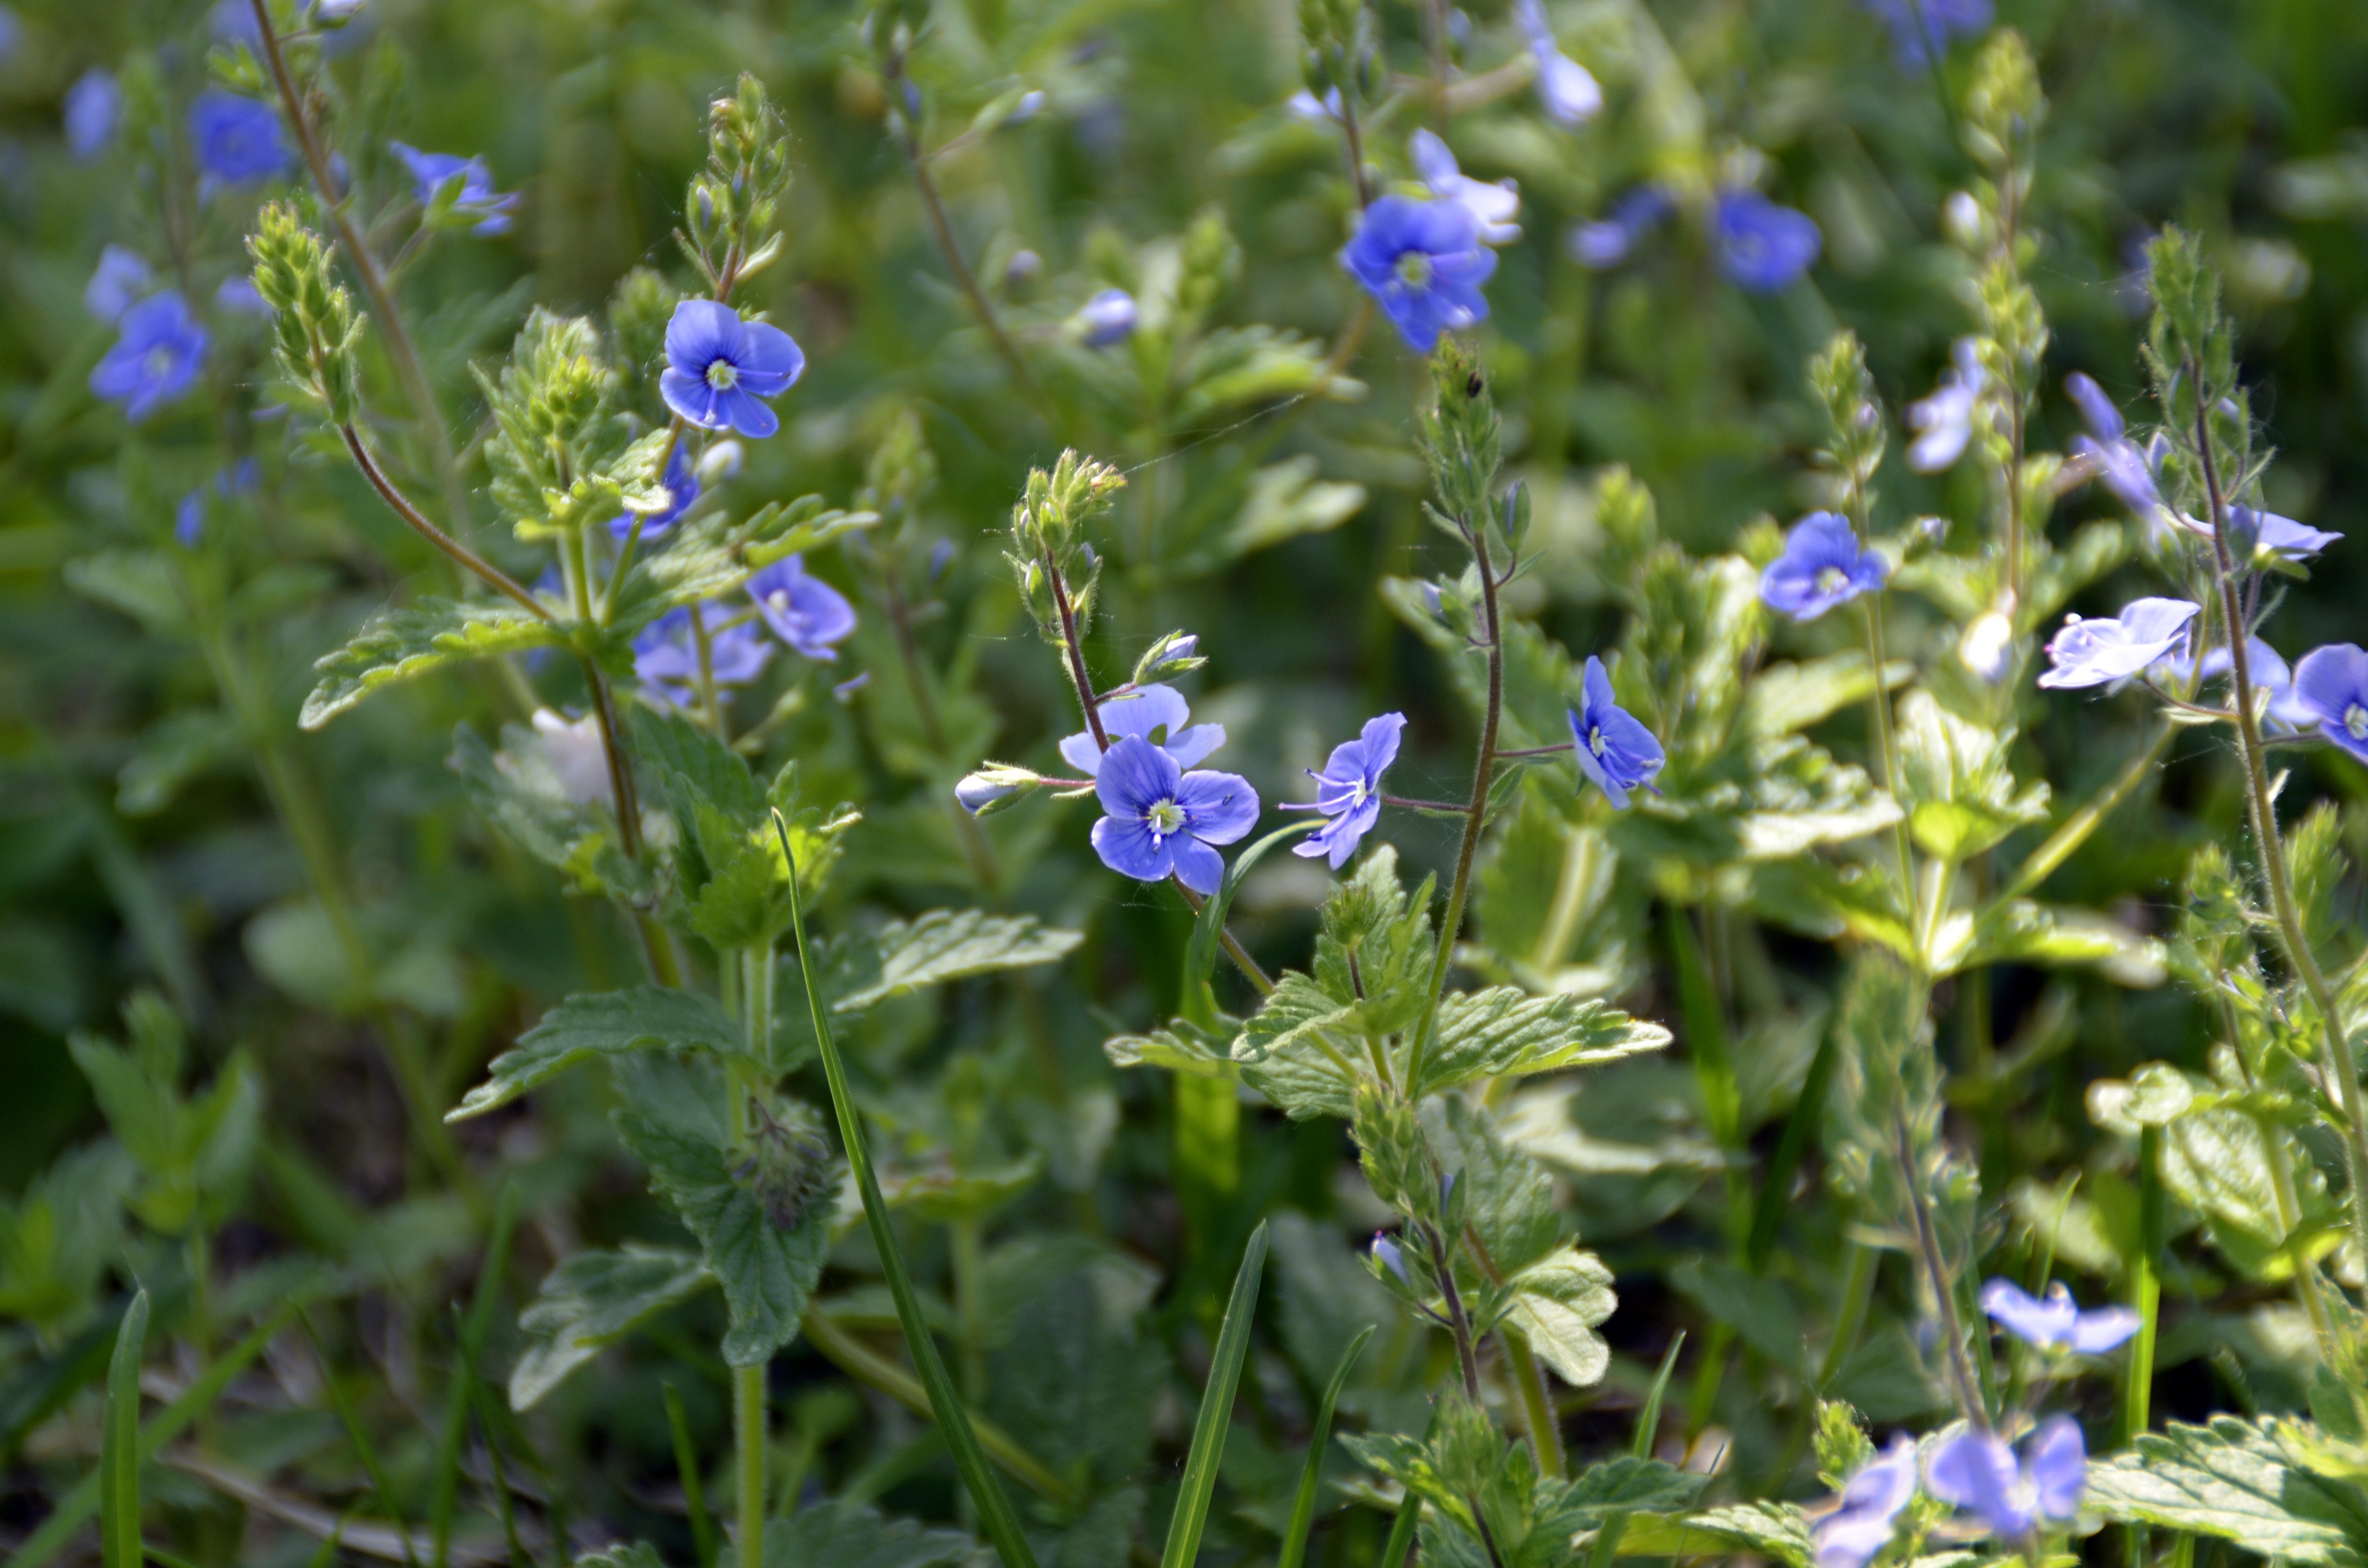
(1559, 1302)
(2234, 1480)
(403, 645)
(591, 1301)
(1181, 1047)
(1502, 1032)
(1779, 1530)
(851, 1535)
(607, 1023)
(947, 945)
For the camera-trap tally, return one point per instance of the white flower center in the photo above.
(1413, 269)
(723, 374)
(1163, 818)
(1832, 580)
(1595, 741)
(160, 362)
(2355, 720)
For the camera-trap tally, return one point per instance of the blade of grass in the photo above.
(694, 1493)
(1191, 1516)
(1399, 1549)
(1648, 1425)
(455, 1430)
(2146, 1287)
(502, 1503)
(119, 1446)
(1303, 1505)
(380, 1487)
(995, 1512)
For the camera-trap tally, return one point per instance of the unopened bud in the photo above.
(1386, 1253)
(996, 785)
(720, 462)
(1171, 655)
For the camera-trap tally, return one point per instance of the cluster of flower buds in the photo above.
(1056, 569)
(318, 331)
(732, 204)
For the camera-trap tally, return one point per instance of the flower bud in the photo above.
(996, 785)
(1171, 655)
(719, 462)
(1386, 1253)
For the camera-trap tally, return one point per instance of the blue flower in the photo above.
(1388, 1254)
(718, 367)
(12, 32)
(1975, 1470)
(189, 516)
(1852, 1535)
(2125, 469)
(666, 656)
(1762, 247)
(1922, 29)
(1304, 105)
(477, 197)
(1607, 241)
(238, 296)
(2330, 688)
(2054, 1322)
(156, 360)
(1164, 820)
(803, 611)
(1944, 422)
(2283, 713)
(1151, 712)
(1493, 207)
(1107, 318)
(2093, 652)
(120, 277)
(1349, 790)
(2253, 534)
(1423, 262)
(1822, 566)
(1612, 748)
(238, 139)
(1565, 86)
(682, 489)
(94, 108)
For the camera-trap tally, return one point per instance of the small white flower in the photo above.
(1944, 422)
(1492, 206)
(574, 753)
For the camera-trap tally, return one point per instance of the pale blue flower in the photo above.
(120, 277)
(1977, 1470)
(2330, 687)
(1944, 421)
(1607, 241)
(802, 610)
(720, 366)
(1349, 790)
(2054, 1322)
(1762, 247)
(156, 358)
(431, 172)
(1864, 1525)
(1923, 28)
(1493, 207)
(1163, 821)
(238, 139)
(1423, 263)
(666, 656)
(1107, 318)
(1822, 566)
(2096, 653)
(1567, 90)
(1154, 712)
(1612, 748)
(94, 109)
(682, 489)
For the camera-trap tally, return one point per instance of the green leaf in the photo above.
(403, 645)
(176, 749)
(139, 583)
(1777, 1530)
(1759, 1310)
(1285, 500)
(1236, 365)
(1786, 697)
(1199, 1479)
(776, 531)
(639, 1554)
(119, 1463)
(2022, 931)
(591, 1301)
(1558, 1302)
(1955, 783)
(854, 1535)
(943, 945)
(1181, 1047)
(694, 768)
(2234, 1480)
(1502, 1032)
(1631, 1485)
(607, 1023)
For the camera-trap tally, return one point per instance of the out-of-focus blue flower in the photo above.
(719, 367)
(941, 555)
(477, 198)
(1107, 318)
(12, 32)
(238, 296)
(1762, 247)
(2094, 653)
(1607, 241)
(845, 691)
(682, 489)
(1031, 105)
(803, 611)
(156, 360)
(238, 139)
(1921, 29)
(120, 277)
(1864, 1525)
(1349, 790)
(1155, 713)
(1822, 566)
(1423, 263)
(1304, 105)
(1568, 91)
(2054, 1322)
(1944, 422)
(2284, 714)
(2254, 533)
(1493, 207)
(1021, 268)
(1613, 747)
(1164, 820)
(189, 516)
(2330, 687)
(2126, 471)
(1976, 1470)
(1386, 1253)
(94, 108)
(666, 656)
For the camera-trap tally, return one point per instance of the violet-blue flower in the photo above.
(1162, 820)
(1423, 263)
(118, 279)
(1863, 1526)
(1613, 747)
(1566, 89)
(682, 489)
(2253, 533)
(1607, 241)
(2283, 712)
(2054, 1322)
(1107, 318)
(156, 360)
(476, 198)
(189, 516)
(803, 611)
(1921, 29)
(1822, 566)
(1493, 205)
(238, 139)
(94, 108)
(237, 295)
(1763, 247)
(1349, 790)
(719, 368)
(666, 656)
(1944, 421)
(1388, 1254)
(1975, 1470)
(2125, 468)
(2330, 688)
(1153, 712)
(2094, 653)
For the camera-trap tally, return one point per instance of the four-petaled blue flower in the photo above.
(156, 360)
(2126, 469)
(666, 656)
(1607, 241)
(120, 277)
(1922, 29)
(2283, 712)
(237, 138)
(1423, 263)
(2253, 533)
(1568, 89)
(805, 613)
(1164, 820)
(2330, 688)
(477, 197)
(1493, 207)
(718, 367)
(1614, 748)
(2093, 652)
(1153, 712)
(1975, 1470)
(1944, 422)
(2054, 1322)
(1349, 790)
(1852, 1535)
(1762, 247)
(682, 489)
(94, 107)
(1107, 318)
(1822, 566)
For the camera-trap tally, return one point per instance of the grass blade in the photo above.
(1648, 1423)
(694, 1493)
(119, 1448)
(994, 1513)
(474, 1330)
(380, 1486)
(1191, 1516)
(1399, 1549)
(1303, 1505)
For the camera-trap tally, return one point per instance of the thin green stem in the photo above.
(1886, 753)
(748, 1463)
(1537, 1403)
(501, 581)
(1936, 1271)
(2059, 845)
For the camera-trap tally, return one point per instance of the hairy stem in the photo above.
(2061, 844)
(1459, 1323)
(499, 580)
(1886, 752)
(1936, 1271)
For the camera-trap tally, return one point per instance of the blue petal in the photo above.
(1975, 1470)
(1134, 776)
(1126, 847)
(691, 397)
(699, 332)
(769, 359)
(1198, 867)
(2059, 1468)
(746, 415)
(1218, 807)
(2029, 1319)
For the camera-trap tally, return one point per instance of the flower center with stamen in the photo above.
(1832, 580)
(160, 362)
(723, 374)
(1163, 818)
(2355, 720)
(1595, 741)
(1415, 269)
